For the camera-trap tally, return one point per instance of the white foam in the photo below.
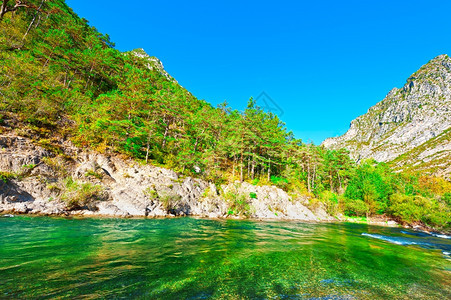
(442, 236)
(390, 239)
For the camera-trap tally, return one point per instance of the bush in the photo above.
(373, 183)
(420, 209)
(408, 208)
(81, 195)
(238, 204)
(330, 201)
(5, 176)
(170, 201)
(280, 182)
(253, 195)
(151, 193)
(446, 198)
(356, 208)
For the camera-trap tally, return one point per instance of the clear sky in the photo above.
(322, 62)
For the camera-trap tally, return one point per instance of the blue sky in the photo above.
(323, 62)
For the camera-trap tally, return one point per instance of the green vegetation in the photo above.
(375, 189)
(81, 195)
(238, 204)
(95, 174)
(5, 176)
(151, 193)
(61, 77)
(169, 201)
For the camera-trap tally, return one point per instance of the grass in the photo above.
(94, 174)
(238, 204)
(81, 195)
(169, 201)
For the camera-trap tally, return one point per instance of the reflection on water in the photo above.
(198, 259)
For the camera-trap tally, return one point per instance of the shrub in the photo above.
(53, 187)
(81, 195)
(5, 176)
(151, 193)
(420, 209)
(238, 204)
(94, 174)
(253, 195)
(280, 182)
(409, 208)
(29, 167)
(330, 201)
(169, 201)
(446, 198)
(58, 164)
(373, 183)
(356, 208)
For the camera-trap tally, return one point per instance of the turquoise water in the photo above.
(187, 258)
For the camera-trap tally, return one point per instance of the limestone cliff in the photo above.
(410, 126)
(35, 180)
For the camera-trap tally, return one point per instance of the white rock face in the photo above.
(406, 119)
(128, 189)
(153, 63)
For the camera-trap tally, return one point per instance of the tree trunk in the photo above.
(3, 8)
(241, 170)
(34, 19)
(253, 167)
(248, 167)
(233, 169)
(269, 170)
(166, 130)
(330, 182)
(314, 176)
(148, 146)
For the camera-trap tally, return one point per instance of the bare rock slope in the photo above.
(88, 183)
(411, 126)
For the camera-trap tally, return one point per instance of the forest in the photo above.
(62, 79)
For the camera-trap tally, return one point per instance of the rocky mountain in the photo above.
(410, 127)
(153, 63)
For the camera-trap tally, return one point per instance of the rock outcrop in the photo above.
(153, 63)
(414, 119)
(87, 183)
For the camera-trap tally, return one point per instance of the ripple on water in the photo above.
(195, 259)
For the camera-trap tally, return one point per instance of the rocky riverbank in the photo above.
(35, 180)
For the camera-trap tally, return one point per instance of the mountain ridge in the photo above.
(405, 119)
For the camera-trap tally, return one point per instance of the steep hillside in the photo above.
(433, 156)
(68, 97)
(410, 125)
(153, 63)
(61, 77)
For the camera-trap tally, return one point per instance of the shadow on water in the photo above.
(188, 258)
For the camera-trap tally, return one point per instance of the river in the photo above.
(187, 258)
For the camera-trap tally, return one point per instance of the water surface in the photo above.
(187, 258)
